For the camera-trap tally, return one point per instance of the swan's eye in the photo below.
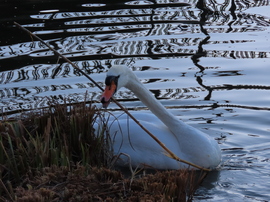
(110, 79)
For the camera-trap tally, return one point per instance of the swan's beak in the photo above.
(107, 94)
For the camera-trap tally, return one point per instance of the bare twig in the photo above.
(169, 153)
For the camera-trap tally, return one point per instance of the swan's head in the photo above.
(117, 77)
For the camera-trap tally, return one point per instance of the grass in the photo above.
(54, 155)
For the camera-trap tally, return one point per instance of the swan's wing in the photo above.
(140, 116)
(129, 138)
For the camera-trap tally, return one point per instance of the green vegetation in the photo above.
(54, 155)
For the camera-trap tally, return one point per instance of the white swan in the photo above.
(183, 140)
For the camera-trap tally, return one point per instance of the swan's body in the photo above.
(183, 140)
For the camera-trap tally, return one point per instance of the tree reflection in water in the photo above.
(97, 37)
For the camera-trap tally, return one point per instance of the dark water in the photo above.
(207, 61)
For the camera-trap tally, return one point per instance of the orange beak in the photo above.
(107, 94)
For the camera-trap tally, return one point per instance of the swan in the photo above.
(141, 150)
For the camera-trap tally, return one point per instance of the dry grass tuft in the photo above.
(102, 184)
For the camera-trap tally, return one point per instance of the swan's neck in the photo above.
(153, 104)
